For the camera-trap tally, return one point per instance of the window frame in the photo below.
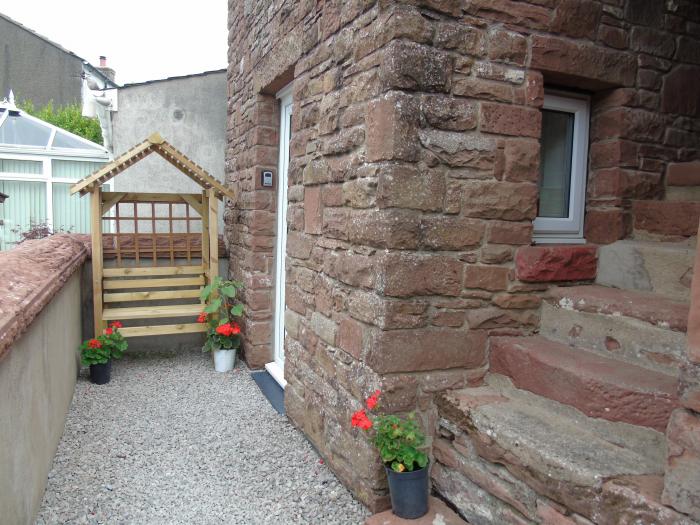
(569, 230)
(46, 176)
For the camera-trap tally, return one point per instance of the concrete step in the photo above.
(664, 268)
(561, 455)
(596, 385)
(637, 327)
(671, 220)
(683, 181)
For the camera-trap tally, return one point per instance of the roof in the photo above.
(154, 143)
(59, 47)
(24, 133)
(180, 77)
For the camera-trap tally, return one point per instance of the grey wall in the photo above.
(37, 379)
(35, 69)
(188, 112)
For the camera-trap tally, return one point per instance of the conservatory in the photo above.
(38, 164)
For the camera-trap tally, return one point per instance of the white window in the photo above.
(563, 165)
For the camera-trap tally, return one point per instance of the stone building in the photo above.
(487, 209)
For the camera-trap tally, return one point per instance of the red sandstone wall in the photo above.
(413, 180)
(30, 275)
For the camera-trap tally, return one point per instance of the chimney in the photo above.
(106, 70)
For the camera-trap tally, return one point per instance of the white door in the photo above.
(563, 155)
(276, 367)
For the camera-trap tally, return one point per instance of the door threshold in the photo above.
(270, 389)
(277, 373)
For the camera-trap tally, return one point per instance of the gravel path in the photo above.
(171, 441)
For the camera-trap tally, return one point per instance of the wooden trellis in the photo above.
(128, 291)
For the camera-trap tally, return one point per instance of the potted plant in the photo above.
(223, 334)
(399, 441)
(97, 353)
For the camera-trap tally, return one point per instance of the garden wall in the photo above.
(39, 363)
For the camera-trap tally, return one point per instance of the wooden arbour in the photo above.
(135, 284)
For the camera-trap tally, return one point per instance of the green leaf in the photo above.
(213, 306)
(237, 310)
(206, 291)
(228, 291)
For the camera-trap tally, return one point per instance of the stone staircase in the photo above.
(569, 425)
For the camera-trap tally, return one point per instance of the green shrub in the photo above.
(68, 117)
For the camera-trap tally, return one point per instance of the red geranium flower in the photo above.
(108, 331)
(116, 324)
(224, 329)
(94, 343)
(373, 399)
(359, 419)
(235, 329)
(202, 318)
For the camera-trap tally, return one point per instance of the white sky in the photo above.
(142, 39)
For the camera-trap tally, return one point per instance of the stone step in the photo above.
(588, 466)
(638, 327)
(664, 268)
(596, 385)
(665, 219)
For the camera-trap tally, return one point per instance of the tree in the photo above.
(68, 117)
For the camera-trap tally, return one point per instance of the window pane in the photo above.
(64, 140)
(73, 169)
(555, 163)
(17, 130)
(70, 212)
(24, 207)
(20, 166)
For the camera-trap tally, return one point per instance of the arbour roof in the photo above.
(154, 143)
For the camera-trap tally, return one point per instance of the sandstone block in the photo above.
(438, 512)
(460, 149)
(625, 184)
(451, 233)
(388, 228)
(509, 232)
(424, 349)
(606, 226)
(506, 46)
(556, 263)
(683, 174)
(577, 18)
(522, 160)
(605, 66)
(678, 95)
(404, 186)
(500, 200)
(449, 113)
(614, 153)
(460, 37)
(492, 278)
(510, 120)
(407, 65)
(682, 477)
(406, 274)
(350, 337)
(391, 123)
(313, 210)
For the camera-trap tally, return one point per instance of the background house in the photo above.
(40, 70)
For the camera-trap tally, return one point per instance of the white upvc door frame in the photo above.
(276, 367)
(569, 230)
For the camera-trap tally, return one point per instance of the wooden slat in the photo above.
(96, 242)
(124, 284)
(165, 329)
(152, 312)
(159, 197)
(110, 199)
(193, 201)
(150, 271)
(145, 295)
(213, 234)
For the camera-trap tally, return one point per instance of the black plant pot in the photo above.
(409, 492)
(100, 374)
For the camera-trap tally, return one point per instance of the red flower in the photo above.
(359, 419)
(235, 329)
(108, 331)
(224, 329)
(202, 318)
(372, 400)
(116, 324)
(94, 343)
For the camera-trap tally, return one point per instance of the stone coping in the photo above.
(30, 276)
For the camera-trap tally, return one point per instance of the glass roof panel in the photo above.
(64, 140)
(18, 131)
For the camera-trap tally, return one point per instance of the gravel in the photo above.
(169, 440)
